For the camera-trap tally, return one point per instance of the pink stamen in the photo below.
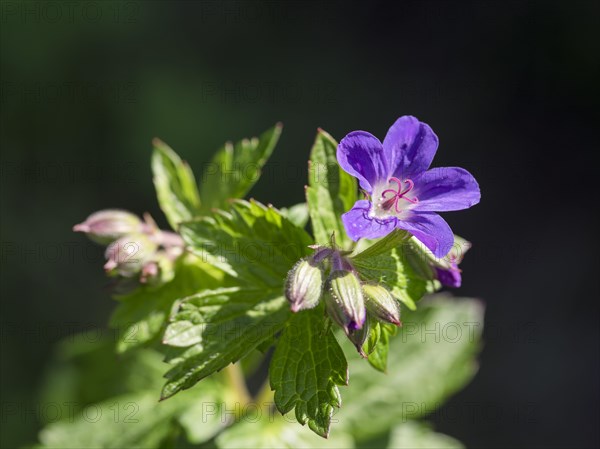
(398, 194)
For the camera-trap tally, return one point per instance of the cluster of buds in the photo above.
(349, 302)
(137, 249)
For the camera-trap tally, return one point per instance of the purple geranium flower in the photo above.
(403, 193)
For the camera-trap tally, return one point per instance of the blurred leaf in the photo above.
(330, 192)
(234, 169)
(432, 357)
(175, 185)
(297, 214)
(134, 420)
(275, 431)
(207, 415)
(306, 369)
(113, 402)
(141, 317)
(218, 327)
(414, 435)
(257, 246)
(85, 369)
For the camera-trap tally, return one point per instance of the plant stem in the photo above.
(235, 378)
(264, 398)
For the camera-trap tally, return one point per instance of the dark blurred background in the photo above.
(511, 89)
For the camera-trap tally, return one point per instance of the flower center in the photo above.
(391, 197)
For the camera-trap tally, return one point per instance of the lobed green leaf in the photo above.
(175, 185)
(234, 169)
(257, 246)
(330, 192)
(307, 367)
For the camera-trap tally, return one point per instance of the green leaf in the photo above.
(379, 352)
(85, 370)
(273, 431)
(175, 185)
(432, 357)
(257, 246)
(307, 367)
(395, 263)
(394, 239)
(219, 327)
(414, 435)
(234, 169)
(253, 243)
(104, 401)
(297, 214)
(141, 316)
(127, 421)
(330, 192)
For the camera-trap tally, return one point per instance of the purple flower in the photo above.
(404, 194)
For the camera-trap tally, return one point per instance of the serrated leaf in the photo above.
(175, 185)
(306, 369)
(220, 327)
(257, 246)
(330, 192)
(234, 169)
(431, 358)
(253, 243)
(393, 262)
(141, 316)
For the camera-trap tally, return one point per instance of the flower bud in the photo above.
(381, 304)
(106, 226)
(346, 304)
(450, 275)
(359, 337)
(304, 285)
(129, 254)
(158, 271)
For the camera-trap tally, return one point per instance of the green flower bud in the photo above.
(346, 305)
(304, 285)
(127, 256)
(381, 304)
(106, 226)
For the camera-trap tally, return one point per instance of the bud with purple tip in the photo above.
(108, 225)
(381, 304)
(358, 337)
(346, 305)
(304, 284)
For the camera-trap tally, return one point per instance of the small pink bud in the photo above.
(108, 225)
(128, 255)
